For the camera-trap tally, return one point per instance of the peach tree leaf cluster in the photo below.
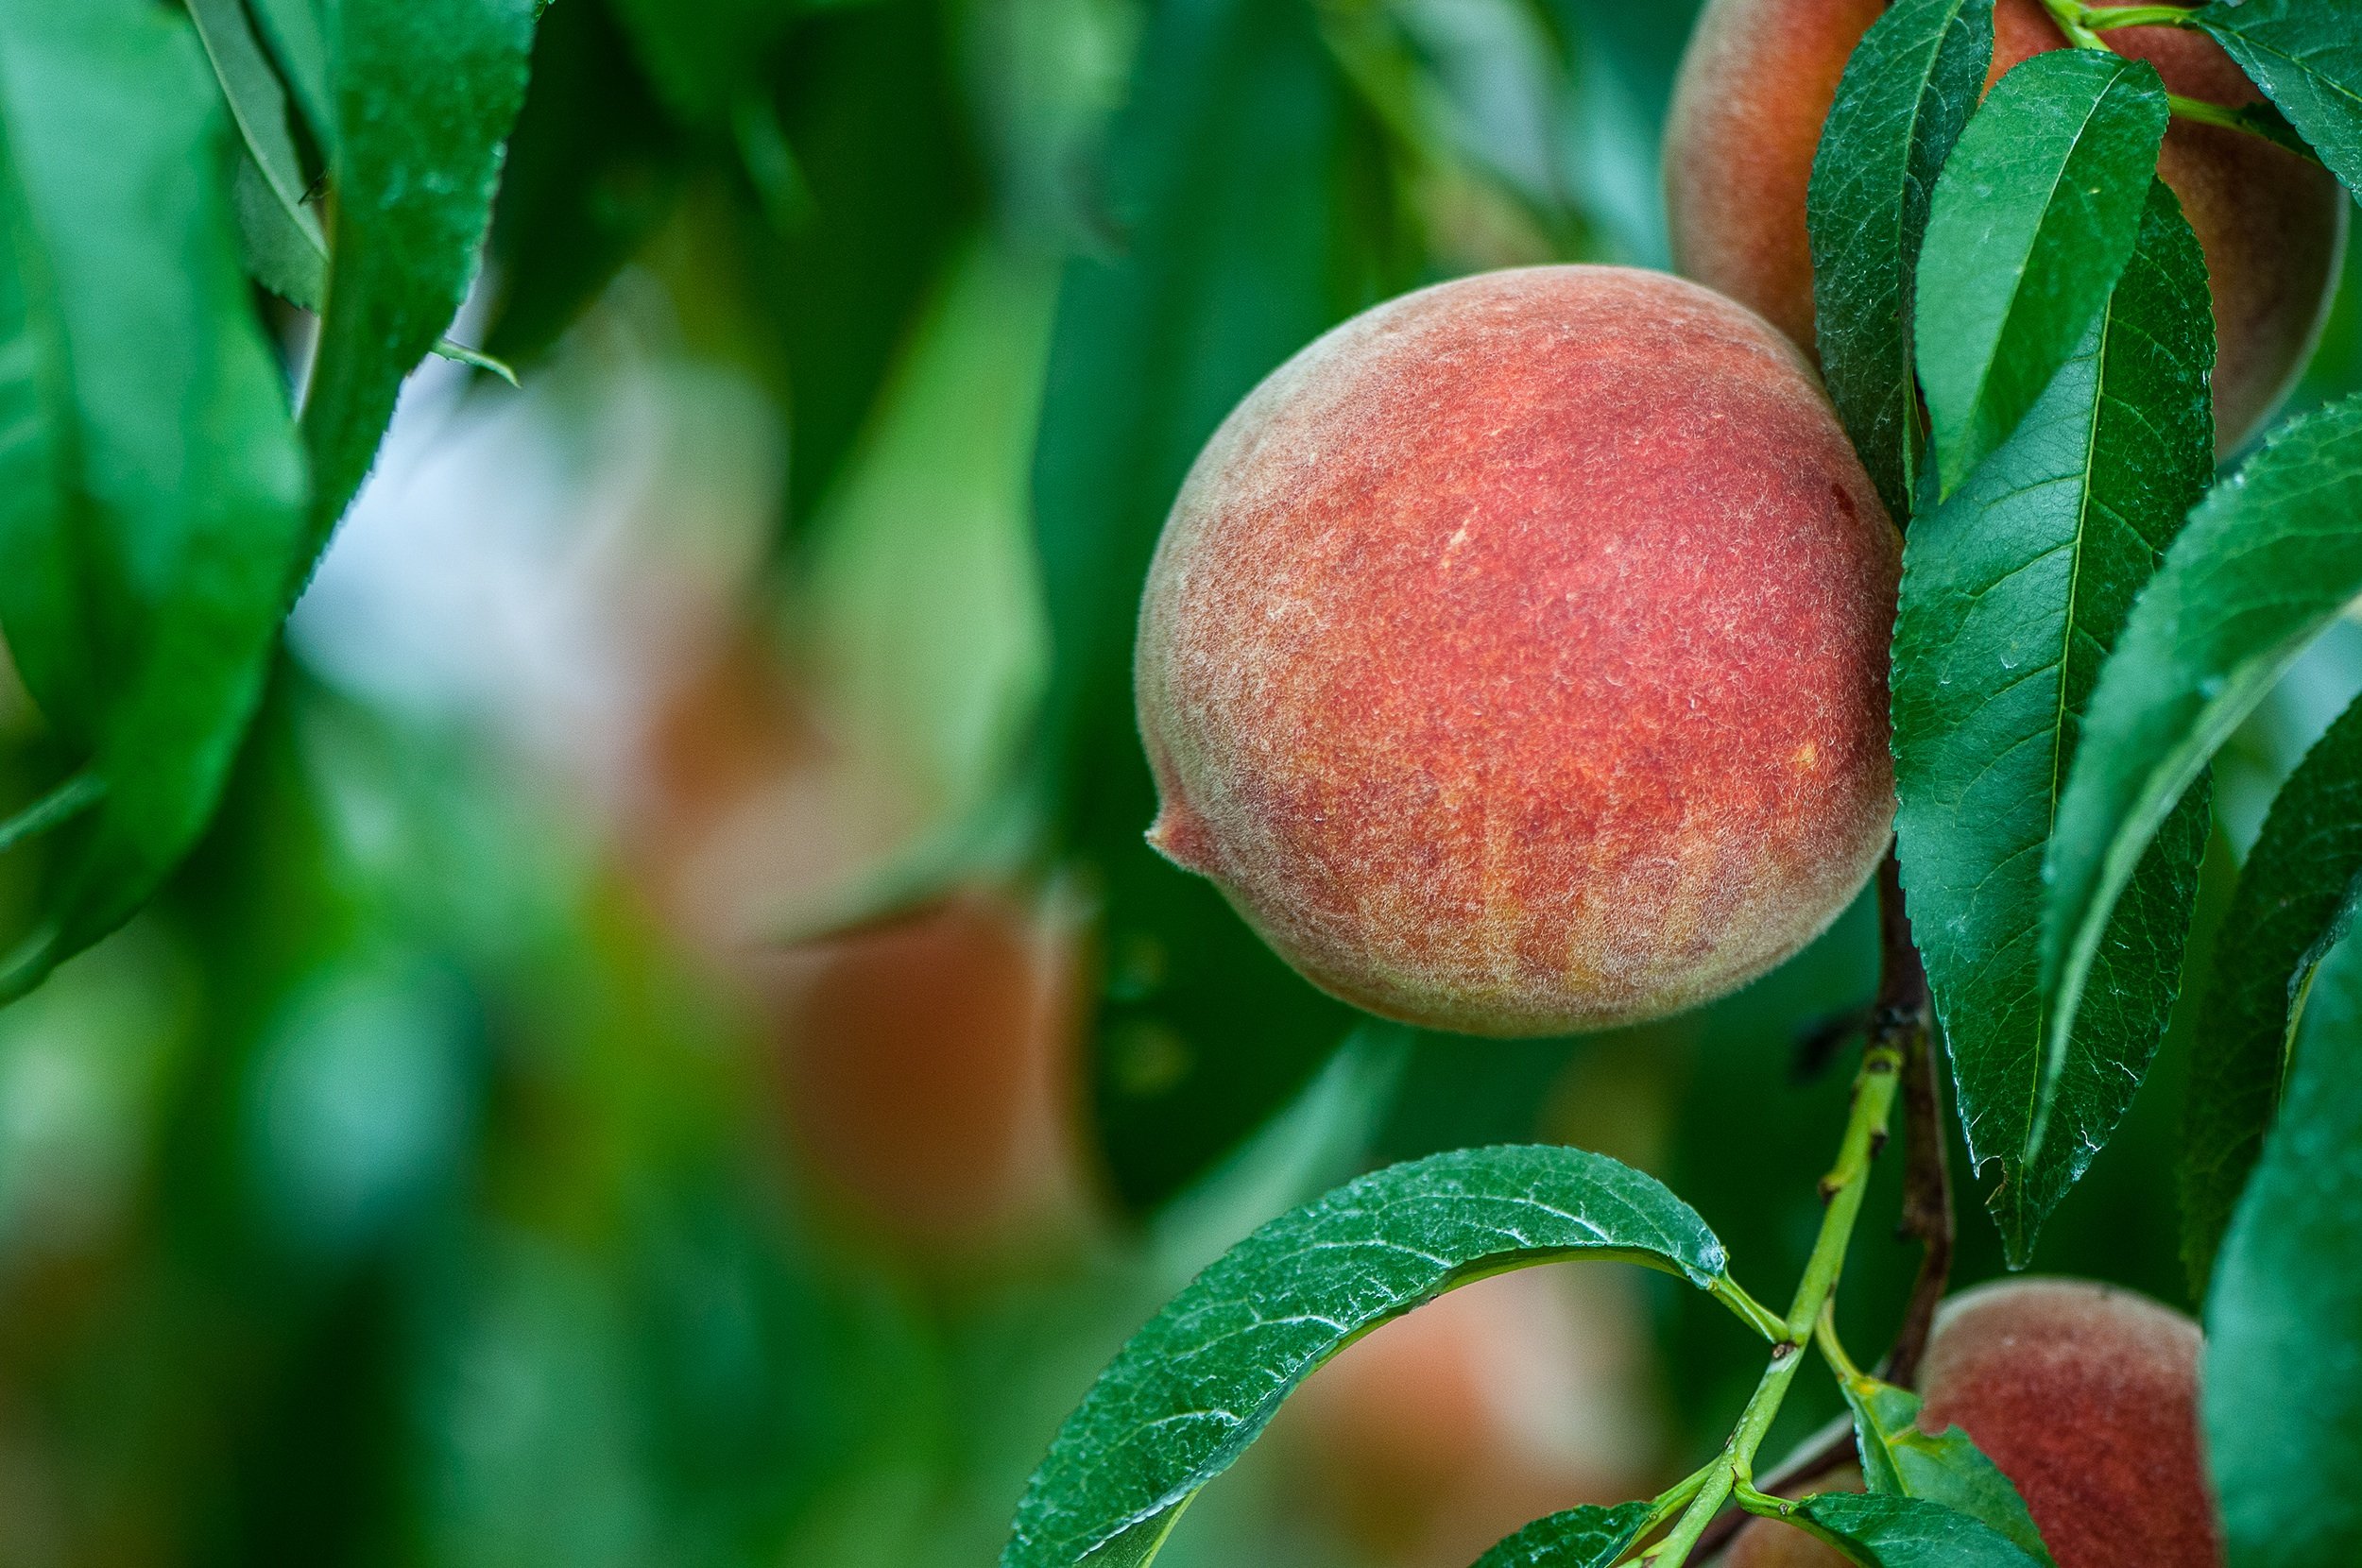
(151, 485)
(2308, 56)
(1191, 1389)
(2294, 903)
(1907, 92)
(2013, 591)
(2034, 217)
(165, 501)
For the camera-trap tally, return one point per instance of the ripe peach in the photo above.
(1515, 655)
(1757, 83)
(1432, 1437)
(2086, 1397)
(931, 1073)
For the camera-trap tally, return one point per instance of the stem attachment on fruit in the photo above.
(2083, 24)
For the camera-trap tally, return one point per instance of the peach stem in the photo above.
(1733, 1471)
(2083, 24)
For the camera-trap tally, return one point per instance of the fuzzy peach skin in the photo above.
(2086, 1397)
(1515, 655)
(1759, 80)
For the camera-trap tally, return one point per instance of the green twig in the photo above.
(1750, 1312)
(1677, 1496)
(1842, 1191)
(2083, 24)
(2257, 120)
(2101, 19)
(2069, 15)
(1899, 1020)
(1832, 1348)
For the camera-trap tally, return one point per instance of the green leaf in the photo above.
(1910, 86)
(1587, 1537)
(280, 250)
(1885, 1531)
(1183, 1399)
(2308, 56)
(2295, 900)
(2034, 215)
(1237, 177)
(413, 171)
(2281, 1385)
(2012, 592)
(284, 249)
(1946, 1467)
(2270, 558)
(259, 106)
(150, 481)
(298, 39)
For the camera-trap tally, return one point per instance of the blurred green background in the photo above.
(675, 1052)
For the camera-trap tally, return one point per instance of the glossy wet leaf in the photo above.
(150, 482)
(1198, 1384)
(1908, 91)
(2295, 900)
(2034, 217)
(413, 172)
(2270, 558)
(2012, 592)
(1887, 1531)
(1587, 1537)
(2281, 1386)
(1946, 1467)
(2306, 54)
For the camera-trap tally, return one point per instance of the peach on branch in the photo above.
(1514, 656)
(2086, 1397)
(1759, 80)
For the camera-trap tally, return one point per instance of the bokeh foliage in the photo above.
(399, 1189)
